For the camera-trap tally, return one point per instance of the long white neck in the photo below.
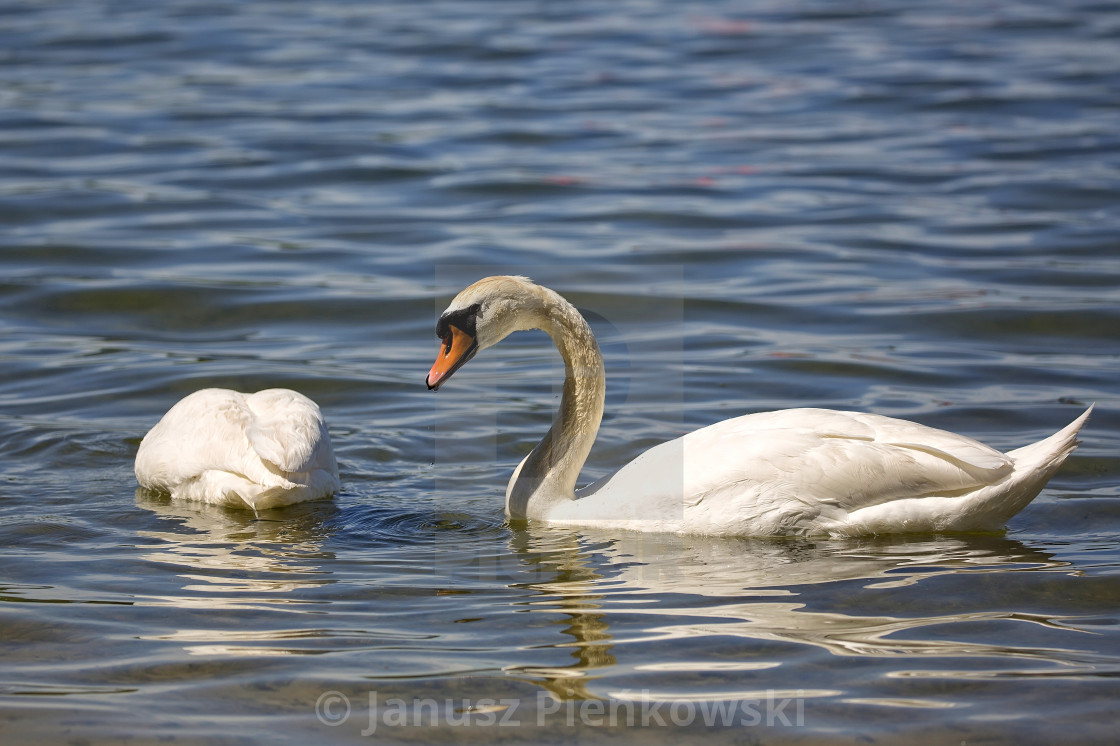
(548, 475)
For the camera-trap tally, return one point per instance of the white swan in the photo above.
(795, 471)
(259, 451)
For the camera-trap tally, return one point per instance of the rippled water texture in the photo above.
(908, 208)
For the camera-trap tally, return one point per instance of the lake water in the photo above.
(909, 208)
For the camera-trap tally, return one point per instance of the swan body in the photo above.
(790, 472)
(256, 451)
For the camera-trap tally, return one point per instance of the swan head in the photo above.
(481, 316)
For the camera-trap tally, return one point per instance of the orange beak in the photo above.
(457, 348)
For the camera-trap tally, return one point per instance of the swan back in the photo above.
(258, 450)
(813, 471)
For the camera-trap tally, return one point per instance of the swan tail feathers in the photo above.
(1035, 464)
(1052, 451)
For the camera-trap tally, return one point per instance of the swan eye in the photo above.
(447, 344)
(465, 319)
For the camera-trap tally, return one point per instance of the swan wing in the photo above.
(788, 472)
(846, 459)
(204, 431)
(286, 428)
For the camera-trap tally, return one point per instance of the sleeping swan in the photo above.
(256, 451)
(795, 471)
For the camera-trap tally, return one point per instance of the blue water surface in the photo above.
(908, 208)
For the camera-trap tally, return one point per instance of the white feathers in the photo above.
(285, 429)
(261, 450)
(814, 471)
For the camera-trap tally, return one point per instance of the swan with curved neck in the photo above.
(794, 471)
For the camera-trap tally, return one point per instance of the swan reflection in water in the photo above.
(757, 590)
(222, 560)
(657, 616)
(237, 551)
